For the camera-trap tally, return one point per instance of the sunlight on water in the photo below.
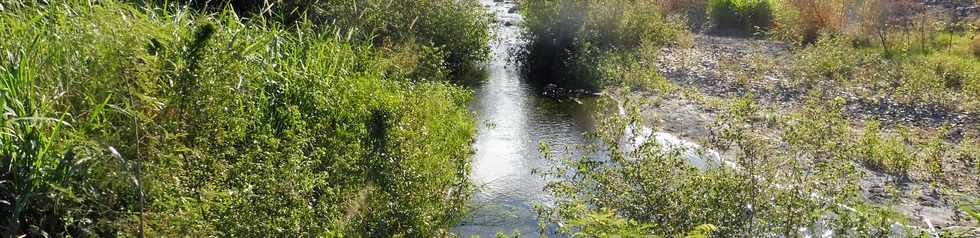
(514, 120)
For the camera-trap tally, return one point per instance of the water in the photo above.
(514, 120)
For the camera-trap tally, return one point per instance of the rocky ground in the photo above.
(706, 68)
(959, 9)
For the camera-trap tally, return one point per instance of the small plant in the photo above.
(886, 153)
(935, 152)
(940, 79)
(975, 47)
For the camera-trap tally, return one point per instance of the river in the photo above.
(514, 120)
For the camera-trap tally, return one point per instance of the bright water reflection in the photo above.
(514, 120)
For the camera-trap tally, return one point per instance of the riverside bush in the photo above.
(693, 10)
(458, 28)
(938, 77)
(746, 15)
(567, 38)
(129, 120)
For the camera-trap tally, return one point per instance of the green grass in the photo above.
(173, 122)
(944, 74)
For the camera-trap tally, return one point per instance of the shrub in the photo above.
(816, 16)
(819, 129)
(747, 15)
(568, 38)
(653, 190)
(460, 29)
(693, 10)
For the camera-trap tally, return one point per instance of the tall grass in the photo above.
(452, 30)
(129, 119)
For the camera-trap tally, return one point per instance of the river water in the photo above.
(514, 120)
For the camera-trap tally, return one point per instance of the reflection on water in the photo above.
(514, 119)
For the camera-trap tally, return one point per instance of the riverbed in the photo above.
(515, 119)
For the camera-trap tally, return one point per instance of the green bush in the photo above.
(568, 38)
(173, 123)
(937, 78)
(747, 15)
(460, 29)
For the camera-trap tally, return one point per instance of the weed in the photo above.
(884, 152)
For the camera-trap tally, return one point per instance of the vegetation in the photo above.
(568, 37)
(336, 118)
(137, 118)
(455, 30)
(748, 15)
(651, 190)
(945, 78)
(799, 153)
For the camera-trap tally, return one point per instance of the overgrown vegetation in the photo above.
(122, 119)
(647, 189)
(454, 31)
(567, 38)
(802, 155)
